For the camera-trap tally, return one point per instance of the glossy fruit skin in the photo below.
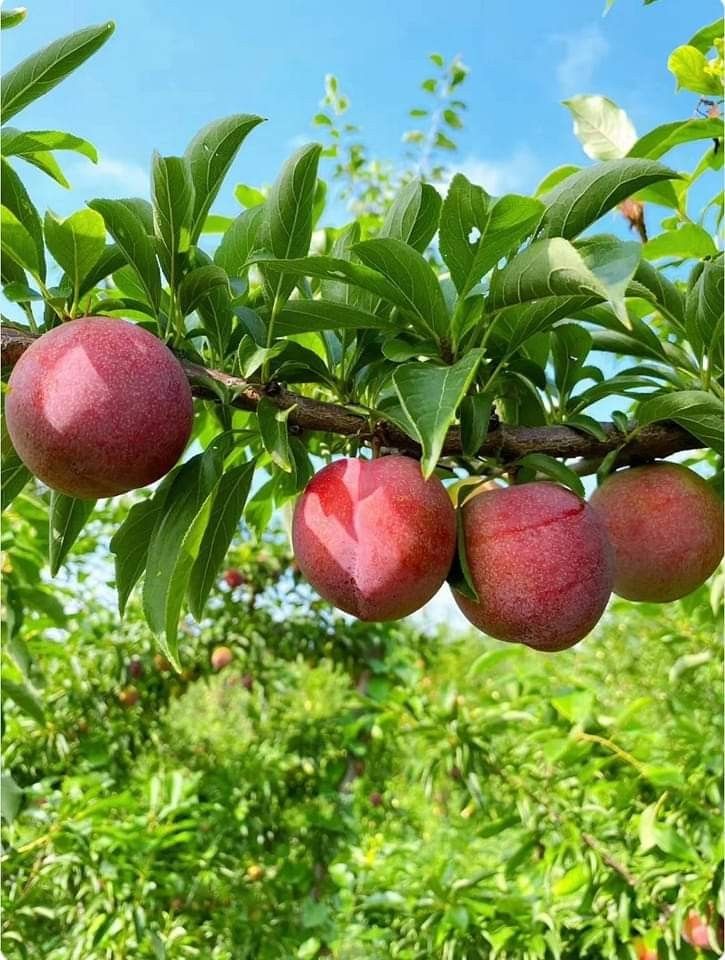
(540, 562)
(373, 537)
(665, 524)
(98, 406)
(221, 657)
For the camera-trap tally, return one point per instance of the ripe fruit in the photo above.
(128, 697)
(695, 930)
(97, 407)
(233, 579)
(666, 526)
(373, 537)
(221, 657)
(135, 669)
(255, 872)
(247, 681)
(540, 562)
(644, 952)
(376, 799)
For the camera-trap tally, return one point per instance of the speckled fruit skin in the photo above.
(97, 407)
(540, 562)
(373, 537)
(666, 526)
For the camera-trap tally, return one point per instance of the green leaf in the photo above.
(603, 129)
(584, 197)
(13, 477)
(688, 242)
(662, 139)
(198, 284)
(516, 324)
(304, 316)
(215, 310)
(126, 225)
(175, 542)
(574, 879)
(12, 18)
(239, 241)
(226, 512)
(76, 244)
(336, 290)
(692, 71)
(580, 421)
(287, 228)
(614, 263)
(555, 469)
(11, 795)
(413, 215)
(475, 417)
(46, 162)
(172, 193)
(430, 396)
(704, 310)
(570, 345)
(210, 154)
(706, 36)
(17, 243)
(273, 430)
(25, 700)
(695, 410)
(342, 271)
(25, 143)
(412, 277)
(43, 70)
(554, 178)
(111, 259)
(15, 197)
(248, 196)
(67, 517)
(216, 223)
(130, 543)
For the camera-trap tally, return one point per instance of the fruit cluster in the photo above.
(374, 537)
(377, 540)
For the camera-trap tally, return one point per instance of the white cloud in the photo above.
(109, 176)
(514, 174)
(583, 51)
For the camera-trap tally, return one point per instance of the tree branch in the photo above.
(506, 443)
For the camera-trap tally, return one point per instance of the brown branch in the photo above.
(506, 443)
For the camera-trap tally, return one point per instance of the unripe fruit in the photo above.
(373, 537)
(255, 872)
(97, 407)
(541, 564)
(644, 952)
(665, 524)
(233, 579)
(128, 697)
(221, 657)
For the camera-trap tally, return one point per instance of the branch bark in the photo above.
(506, 443)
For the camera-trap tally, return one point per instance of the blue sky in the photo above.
(170, 68)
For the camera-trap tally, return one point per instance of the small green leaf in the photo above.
(172, 192)
(67, 517)
(25, 143)
(580, 421)
(695, 410)
(555, 469)
(42, 71)
(25, 699)
(662, 139)
(273, 429)
(413, 215)
(582, 198)
(76, 244)
(430, 396)
(12, 18)
(210, 154)
(475, 417)
(198, 284)
(17, 243)
(226, 512)
(248, 196)
(573, 880)
(239, 241)
(412, 277)
(125, 222)
(15, 197)
(11, 795)
(693, 71)
(688, 242)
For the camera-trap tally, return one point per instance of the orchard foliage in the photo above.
(358, 790)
